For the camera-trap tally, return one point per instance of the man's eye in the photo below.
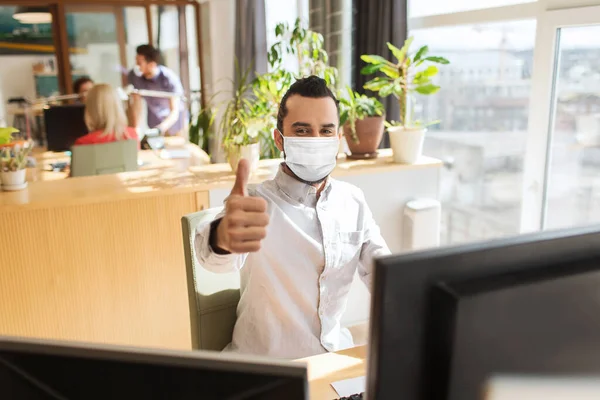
(302, 131)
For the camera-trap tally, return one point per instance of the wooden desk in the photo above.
(100, 258)
(325, 369)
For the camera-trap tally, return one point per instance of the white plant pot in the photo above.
(407, 144)
(250, 152)
(13, 178)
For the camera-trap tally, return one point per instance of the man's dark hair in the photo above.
(80, 82)
(149, 52)
(313, 87)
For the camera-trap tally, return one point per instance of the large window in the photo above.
(483, 108)
(520, 112)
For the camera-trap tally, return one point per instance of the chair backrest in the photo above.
(213, 297)
(104, 158)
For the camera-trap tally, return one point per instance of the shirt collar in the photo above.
(299, 191)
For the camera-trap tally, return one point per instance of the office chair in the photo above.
(213, 297)
(105, 158)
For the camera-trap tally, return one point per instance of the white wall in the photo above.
(16, 79)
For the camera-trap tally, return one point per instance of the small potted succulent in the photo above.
(410, 73)
(362, 118)
(13, 160)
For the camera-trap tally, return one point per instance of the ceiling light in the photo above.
(33, 15)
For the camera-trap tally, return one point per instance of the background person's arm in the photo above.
(173, 116)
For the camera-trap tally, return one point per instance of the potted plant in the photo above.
(13, 160)
(362, 119)
(239, 125)
(409, 74)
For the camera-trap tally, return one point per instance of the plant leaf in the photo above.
(373, 59)
(420, 79)
(386, 90)
(430, 71)
(427, 89)
(422, 52)
(391, 72)
(371, 68)
(376, 84)
(400, 54)
(438, 60)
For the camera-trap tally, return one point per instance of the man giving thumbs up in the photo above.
(297, 240)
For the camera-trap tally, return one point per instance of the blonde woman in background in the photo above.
(105, 118)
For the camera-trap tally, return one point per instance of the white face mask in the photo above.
(311, 158)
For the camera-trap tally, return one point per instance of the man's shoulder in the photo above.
(169, 73)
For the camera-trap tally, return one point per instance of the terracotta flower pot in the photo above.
(369, 132)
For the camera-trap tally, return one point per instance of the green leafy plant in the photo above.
(306, 46)
(410, 73)
(6, 134)
(238, 122)
(268, 89)
(14, 158)
(201, 129)
(358, 106)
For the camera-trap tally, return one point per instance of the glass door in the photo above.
(102, 41)
(562, 168)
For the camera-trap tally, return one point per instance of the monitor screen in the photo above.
(491, 327)
(445, 321)
(64, 125)
(40, 370)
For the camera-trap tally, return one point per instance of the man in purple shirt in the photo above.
(168, 115)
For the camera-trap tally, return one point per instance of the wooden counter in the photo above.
(101, 258)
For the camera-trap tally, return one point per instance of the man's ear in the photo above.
(278, 139)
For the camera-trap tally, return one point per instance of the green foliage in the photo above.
(409, 74)
(307, 47)
(357, 106)
(14, 158)
(238, 117)
(201, 128)
(268, 89)
(6, 134)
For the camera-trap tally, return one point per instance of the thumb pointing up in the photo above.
(241, 178)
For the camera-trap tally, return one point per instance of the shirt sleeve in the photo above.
(374, 246)
(174, 84)
(206, 256)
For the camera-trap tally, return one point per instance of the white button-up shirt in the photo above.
(294, 290)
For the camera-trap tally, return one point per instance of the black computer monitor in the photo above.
(32, 370)
(64, 125)
(445, 321)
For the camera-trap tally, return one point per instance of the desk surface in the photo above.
(94, 189)
(325, 369)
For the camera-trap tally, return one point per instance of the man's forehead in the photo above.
(297, 104)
